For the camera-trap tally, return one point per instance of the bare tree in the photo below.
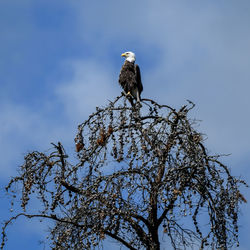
(138, 173)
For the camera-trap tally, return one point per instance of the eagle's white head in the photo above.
(130, 56)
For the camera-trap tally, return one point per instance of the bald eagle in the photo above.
(130, 78)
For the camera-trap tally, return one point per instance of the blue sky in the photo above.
(61, 59)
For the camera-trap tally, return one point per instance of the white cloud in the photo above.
(16, 126)
(23, 130)
(92, 84)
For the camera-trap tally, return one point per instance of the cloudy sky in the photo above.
(61, 59)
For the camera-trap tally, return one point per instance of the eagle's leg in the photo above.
(129, 93)
(138, 96)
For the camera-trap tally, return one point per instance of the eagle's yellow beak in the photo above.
(123, 54)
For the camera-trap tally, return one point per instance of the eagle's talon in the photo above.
(138, 104)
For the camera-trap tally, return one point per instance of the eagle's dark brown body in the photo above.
(130, 80)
